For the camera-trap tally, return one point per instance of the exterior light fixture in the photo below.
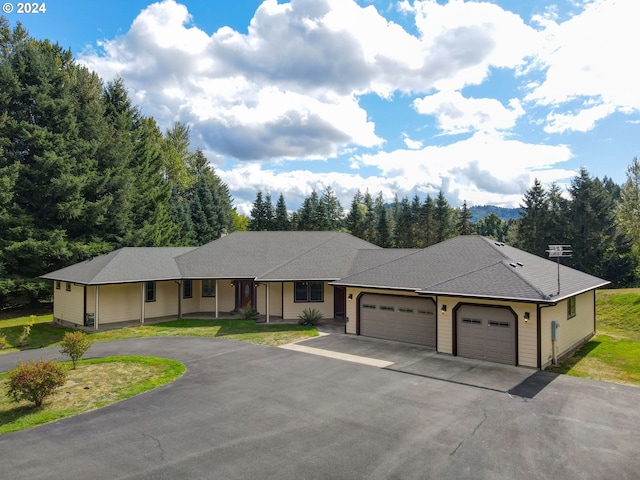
(443, 309)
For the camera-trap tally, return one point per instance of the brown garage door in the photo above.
(405, 319)
(486, 333)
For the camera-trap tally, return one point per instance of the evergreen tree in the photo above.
(464, 225)
(383, 230)
(493, 227)
(331, 212)
(628, 210)
(260, 216)
(428, 222)
(533, 222)
(281, 221)
(443, 219)
(404, 233)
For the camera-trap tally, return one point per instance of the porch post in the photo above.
(268, 290)
(142, 298)
(216, 298)
(179, 282)
(96, 320)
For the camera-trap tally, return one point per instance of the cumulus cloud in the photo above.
(583, 58)
(456, 114)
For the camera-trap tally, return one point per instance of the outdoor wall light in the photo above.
(526, 317)
(350, 296)
(444, 309)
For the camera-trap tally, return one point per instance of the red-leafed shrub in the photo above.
(35, 381)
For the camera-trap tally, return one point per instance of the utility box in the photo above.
(554, 330)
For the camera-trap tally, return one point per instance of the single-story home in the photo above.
(468, 296)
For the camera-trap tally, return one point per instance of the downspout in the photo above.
(539, 326)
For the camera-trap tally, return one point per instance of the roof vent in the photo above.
(513, 265)
(520, 264)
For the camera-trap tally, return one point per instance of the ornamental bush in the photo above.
(74, 344)
(309, 316)
(35, 381)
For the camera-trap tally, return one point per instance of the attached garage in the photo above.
(486, 333)
(394, 317)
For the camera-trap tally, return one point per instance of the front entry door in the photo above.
(339, 302)
(244, 294)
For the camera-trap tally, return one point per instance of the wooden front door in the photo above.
(244, 294)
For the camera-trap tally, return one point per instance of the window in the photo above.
(150, 292)
(571, 307)
(57, 284)
(475, 321)
(495, 323)
(187, 289)
(386, 308)
(368, 306)
(68, 287)
(208, 288)
(308, 292)
(405, 310)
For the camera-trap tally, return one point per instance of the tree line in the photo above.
(83, 172)
(599, 219)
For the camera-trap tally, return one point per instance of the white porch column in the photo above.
(143, 297)
(267, 285)
(96, 320)
(216, 298)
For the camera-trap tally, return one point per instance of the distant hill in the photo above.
(479, 212)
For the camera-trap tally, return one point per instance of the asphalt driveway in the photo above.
(245, 411)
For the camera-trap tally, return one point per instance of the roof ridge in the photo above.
(116, 252)
(412, 252)
(515, 270)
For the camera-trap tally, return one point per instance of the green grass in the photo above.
(95, 383)
(613, 354)
(45, 334)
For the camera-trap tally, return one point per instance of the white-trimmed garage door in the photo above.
(392, 317)
(486, 333)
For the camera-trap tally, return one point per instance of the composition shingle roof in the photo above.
(476, 266)
(128, 264)
(466, 265)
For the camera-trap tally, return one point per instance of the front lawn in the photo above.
(613, 354)
(94, 384)
(45, 334)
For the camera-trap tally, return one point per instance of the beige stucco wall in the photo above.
(291, 309)
(572, 331)
(68, 306)
(527, 331)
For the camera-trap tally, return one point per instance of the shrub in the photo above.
(35, 381)
(4, 343)
(249, 313)
(26, 331)
(309, 316)
(74, 344)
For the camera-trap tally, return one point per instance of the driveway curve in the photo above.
(245, 411)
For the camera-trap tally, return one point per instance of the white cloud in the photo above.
(456, 114)
(587, 57)
(411, 144)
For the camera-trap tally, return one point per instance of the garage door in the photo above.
(486, 333)
(404, 319)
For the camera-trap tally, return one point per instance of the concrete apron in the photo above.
(417, 360)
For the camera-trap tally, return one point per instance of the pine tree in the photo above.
(281, 221)
(464, 225)
(628, 210)
(383, 230)
(533, 220)
(443, 219)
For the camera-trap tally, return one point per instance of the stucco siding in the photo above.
(572, 331)
(291, 309)
(68, 306)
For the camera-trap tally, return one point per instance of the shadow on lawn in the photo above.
(42, 335)
(228, 327)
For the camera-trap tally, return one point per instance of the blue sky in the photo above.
(406, 97)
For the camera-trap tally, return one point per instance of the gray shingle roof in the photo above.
(476, 266)
(129, 264)
(466, 265)
(275, 256)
